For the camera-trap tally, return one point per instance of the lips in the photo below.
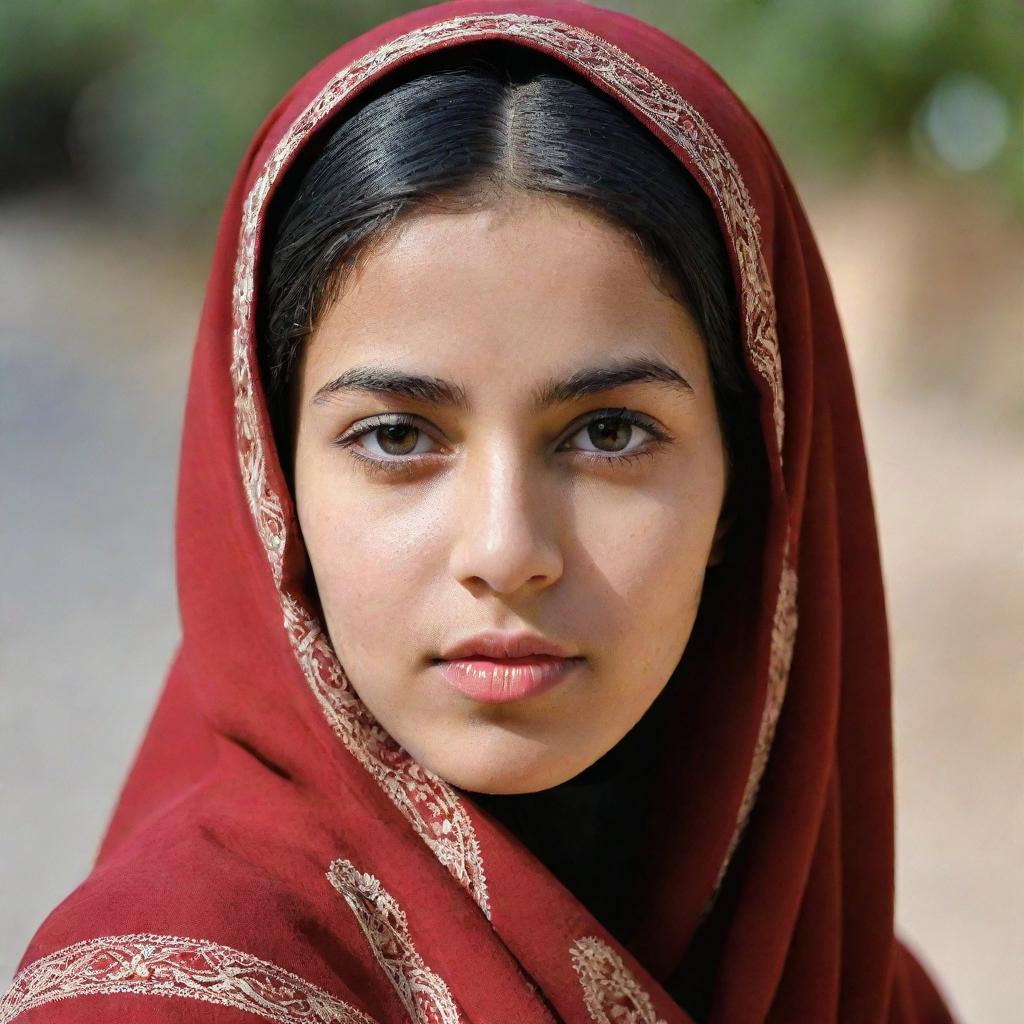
(495, 667)
(497, 681)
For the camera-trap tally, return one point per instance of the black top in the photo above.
(584, 830)
(588, 832)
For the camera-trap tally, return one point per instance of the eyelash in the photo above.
(400, 465)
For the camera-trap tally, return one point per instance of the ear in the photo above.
(725, 523)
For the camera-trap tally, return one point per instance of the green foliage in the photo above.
(162, 96)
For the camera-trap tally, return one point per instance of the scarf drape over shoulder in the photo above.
(276, 855)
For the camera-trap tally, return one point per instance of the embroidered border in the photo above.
(429, 803)
(168, 965)
(611, 994)
(784, 625)
(423, 993)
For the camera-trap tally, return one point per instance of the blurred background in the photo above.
(901, 120)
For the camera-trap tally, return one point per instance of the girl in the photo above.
(534, 661)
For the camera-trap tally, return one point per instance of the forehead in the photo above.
(534, 282)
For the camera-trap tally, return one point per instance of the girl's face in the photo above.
(520, 488)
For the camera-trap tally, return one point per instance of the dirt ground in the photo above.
(96, 330)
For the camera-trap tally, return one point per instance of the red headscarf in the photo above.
(275, 855)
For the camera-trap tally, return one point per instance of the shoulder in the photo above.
(179, 927)
(916, 997)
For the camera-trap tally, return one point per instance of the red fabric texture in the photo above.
(261, 774)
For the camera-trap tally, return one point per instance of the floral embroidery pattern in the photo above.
(611, 993)
(427, 802)
(168, 965)
(422, 992)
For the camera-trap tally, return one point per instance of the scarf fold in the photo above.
(276, 855)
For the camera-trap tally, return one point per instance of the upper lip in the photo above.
(505, 645)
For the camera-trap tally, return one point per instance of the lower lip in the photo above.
(500, 680)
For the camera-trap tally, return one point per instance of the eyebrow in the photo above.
(435, 391)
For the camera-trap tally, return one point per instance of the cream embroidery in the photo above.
(428, 803)
(422, 992)
(611, 993)
(425, 799)
(784, 625)
(168, 965)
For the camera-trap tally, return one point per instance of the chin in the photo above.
(506, 764)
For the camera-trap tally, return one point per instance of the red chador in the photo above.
(276, 855)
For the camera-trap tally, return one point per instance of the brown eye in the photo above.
(610, 433)
(381, 445)
(613, 430)
(390, 437)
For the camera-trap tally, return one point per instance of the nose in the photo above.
(505, 536)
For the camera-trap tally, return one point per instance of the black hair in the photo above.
(462, 128)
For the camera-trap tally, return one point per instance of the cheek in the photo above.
(659, 558)
(649, 555)
(368, 562)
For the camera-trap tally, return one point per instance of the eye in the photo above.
(611, 430)
(391, 438)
